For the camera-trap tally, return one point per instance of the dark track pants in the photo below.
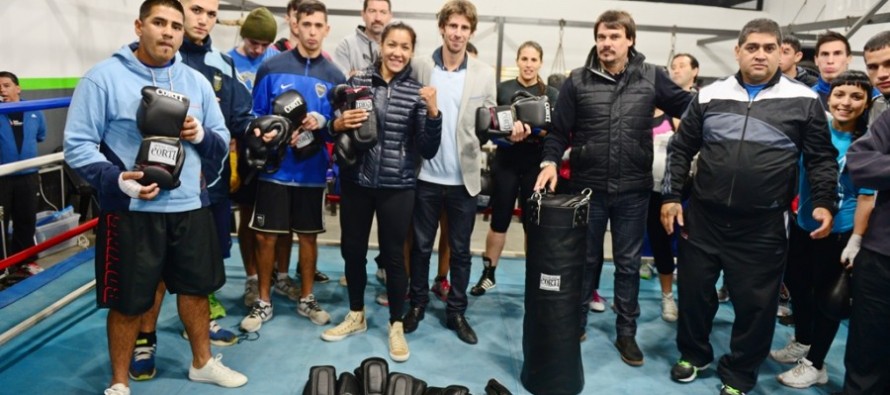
(751, 252)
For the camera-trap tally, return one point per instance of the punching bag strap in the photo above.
(577, 203)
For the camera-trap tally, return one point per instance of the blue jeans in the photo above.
(626, 213)
(460, 208)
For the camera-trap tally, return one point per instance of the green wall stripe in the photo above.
(48, 83)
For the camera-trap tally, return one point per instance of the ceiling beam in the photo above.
(858, 24)
(810, 26)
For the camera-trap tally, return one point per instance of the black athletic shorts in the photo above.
(284, 209)
(135, 250)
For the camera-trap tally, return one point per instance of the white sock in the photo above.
(282, 276)
(667, 295)
(253, 277)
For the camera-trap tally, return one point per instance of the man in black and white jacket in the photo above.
(750, 131)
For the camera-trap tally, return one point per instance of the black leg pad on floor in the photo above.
(322, 381)
(372, 375)
(347, 384)
(456, 390)
(404, 384)
(495, 387)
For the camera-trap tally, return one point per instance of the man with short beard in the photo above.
(358, 51)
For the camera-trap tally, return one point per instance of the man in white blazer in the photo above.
(451, 179)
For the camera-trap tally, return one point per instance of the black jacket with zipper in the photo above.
(607, 120)
(749, 148)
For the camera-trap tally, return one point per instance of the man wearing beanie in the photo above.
(257, 34)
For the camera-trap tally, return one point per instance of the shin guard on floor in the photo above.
(404, 384)
(372, 375)
(322, 381)
(495, 387)
(347, 384)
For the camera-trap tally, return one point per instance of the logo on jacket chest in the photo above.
(321, 90)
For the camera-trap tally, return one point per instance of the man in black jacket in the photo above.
(750, 131)
(868, 352)
(605, 114)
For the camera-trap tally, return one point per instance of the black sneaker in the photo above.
(630, 352)
(485, 283)
(685, 372)
(412, 318)
(321, 278)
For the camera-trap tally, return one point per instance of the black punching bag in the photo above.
(557, 245)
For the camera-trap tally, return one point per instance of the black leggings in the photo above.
(393, 208)
(659, 240)
(512, 173)
(812, 266)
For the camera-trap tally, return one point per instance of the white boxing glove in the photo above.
(130, 187)
(850, 251)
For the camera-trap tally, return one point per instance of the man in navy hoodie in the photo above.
(134, 251)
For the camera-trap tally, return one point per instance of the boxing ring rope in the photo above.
(36, 105)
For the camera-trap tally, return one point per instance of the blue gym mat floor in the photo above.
(67, 352)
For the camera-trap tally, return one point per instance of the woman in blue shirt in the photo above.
(815, 264)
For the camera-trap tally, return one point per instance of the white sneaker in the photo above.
(381, 276)
(308, 307)
(398, 346)
(215, 372)
(287, 287)
(251, 291)
(343, 280)
(353, 323)
(669, 311)
(804, 375)
(117, 389)
(260, 312)
(791, 353)
(598, 304)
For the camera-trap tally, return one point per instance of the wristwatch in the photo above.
(548, 163)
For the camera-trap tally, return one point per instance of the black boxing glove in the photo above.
(291, 105)
(404, 384)
(161, 112)
(372, 375)
(322, 381)
(344, 151)
(267, 156)
(494, 122)
(534, 111)
(160, 159)
(365, 136)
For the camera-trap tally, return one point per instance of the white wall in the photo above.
(63, 38)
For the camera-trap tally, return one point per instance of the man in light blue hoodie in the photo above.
(147, 234)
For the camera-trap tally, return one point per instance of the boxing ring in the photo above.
(52, 336)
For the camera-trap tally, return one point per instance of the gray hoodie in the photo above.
(356, 52)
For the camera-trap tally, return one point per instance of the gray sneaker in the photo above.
(260, 312)
(308, 307)
(287, 287)
(251, 291)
